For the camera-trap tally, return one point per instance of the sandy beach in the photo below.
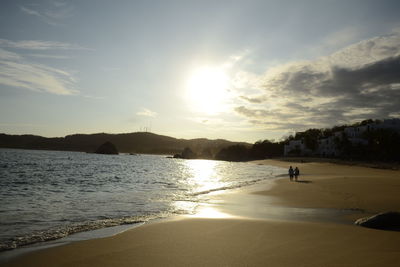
(236, 230)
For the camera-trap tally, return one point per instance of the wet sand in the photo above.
(260, 228)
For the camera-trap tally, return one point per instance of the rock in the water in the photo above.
(107, 148)
(187, 153)
(385, 221)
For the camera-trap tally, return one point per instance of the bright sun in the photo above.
(207, 89)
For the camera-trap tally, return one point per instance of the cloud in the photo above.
(358, 82)
(7, 55)
(342, 37)
(39, 45)
(366, 52)
(254, 99)
(147, 113)
(253, 113)
(30, 11)
(52, 12)
(36, 77)
(16, 71)
(336, 40)
(49, 56)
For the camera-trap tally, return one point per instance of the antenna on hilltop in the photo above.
(146, 129)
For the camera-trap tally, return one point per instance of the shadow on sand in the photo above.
(303, 181)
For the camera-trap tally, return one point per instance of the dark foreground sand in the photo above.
(258, 242)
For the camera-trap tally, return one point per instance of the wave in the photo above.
(235, 186)
(66, 230)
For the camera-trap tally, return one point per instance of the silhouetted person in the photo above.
(291, 173)
(296, 173)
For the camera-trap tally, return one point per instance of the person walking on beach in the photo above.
(291, 173)
(296, 173)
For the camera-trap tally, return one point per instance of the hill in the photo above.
(139, 142)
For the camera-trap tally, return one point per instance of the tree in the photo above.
(266, 148)
(383, 144)
(233, 153)
(311, 137)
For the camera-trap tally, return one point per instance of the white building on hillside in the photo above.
(356, 134)
(327, 147)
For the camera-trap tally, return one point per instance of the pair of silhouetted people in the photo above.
(293, 173)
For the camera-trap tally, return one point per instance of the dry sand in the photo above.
(327, 185)
(258, 242)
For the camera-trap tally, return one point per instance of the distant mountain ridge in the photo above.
(137, 142)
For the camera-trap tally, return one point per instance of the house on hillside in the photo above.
(356, 134)
(327, 147)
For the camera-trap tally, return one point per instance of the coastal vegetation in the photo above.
(260, 150)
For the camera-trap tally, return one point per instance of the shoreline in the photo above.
(339, 161)
(11, 254)
(240, 229)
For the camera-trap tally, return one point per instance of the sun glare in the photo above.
(207, 89)
(204, 178)
(203, 175)
(205, 211)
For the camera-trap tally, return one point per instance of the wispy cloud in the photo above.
(17, 71)
(30, 11)
(146, 112)
(36, 77)
(358, 82)
(48, 56)
(39, 45)
(7, 55)
(52, 12)
(335, 41)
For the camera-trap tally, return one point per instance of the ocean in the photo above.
(47, 195)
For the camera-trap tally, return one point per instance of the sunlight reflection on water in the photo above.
(203, 175)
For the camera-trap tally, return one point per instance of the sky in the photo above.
(237, 70)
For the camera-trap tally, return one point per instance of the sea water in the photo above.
(46, 195)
